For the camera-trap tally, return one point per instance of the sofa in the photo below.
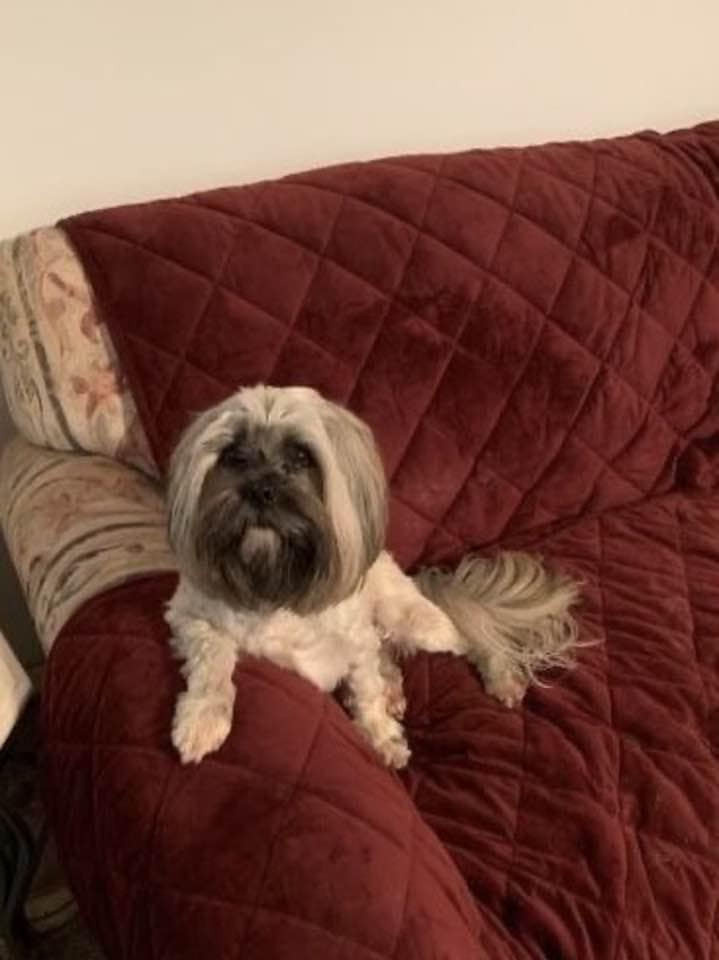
(533, 334)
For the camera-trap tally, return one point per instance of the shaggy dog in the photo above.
(277, 510)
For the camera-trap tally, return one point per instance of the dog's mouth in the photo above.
(260, 558)
(258, 542)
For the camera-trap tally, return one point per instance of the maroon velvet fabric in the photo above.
(531, 333)
(534, 335)
(292, 841)
(583, 825)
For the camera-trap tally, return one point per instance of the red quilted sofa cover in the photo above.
(534, 336)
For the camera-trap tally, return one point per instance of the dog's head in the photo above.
(277, 499)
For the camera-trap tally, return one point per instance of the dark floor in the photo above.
(57, 932)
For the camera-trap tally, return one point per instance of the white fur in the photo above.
(313, 417)
(347, 642)
(509, 616)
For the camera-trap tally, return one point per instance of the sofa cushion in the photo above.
(76, 525)
(584, 825)
(58, 367)
(588, 821)
(291, 841)
(531, 332)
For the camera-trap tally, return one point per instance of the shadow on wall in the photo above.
(15, 621)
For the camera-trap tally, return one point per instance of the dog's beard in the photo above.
(279, 557)
(325, 511)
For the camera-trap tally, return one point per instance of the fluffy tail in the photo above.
(514, 616)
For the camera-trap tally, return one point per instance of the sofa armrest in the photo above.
(75, 525)
(291, 840)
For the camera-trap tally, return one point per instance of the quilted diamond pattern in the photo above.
(532, 333)
(585, 825)
(588, 822)
(317, 851)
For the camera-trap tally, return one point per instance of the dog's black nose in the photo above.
(262, 491)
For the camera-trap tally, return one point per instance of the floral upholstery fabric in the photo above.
(76, 525)
(57, 363)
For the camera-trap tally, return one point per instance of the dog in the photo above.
(277, 508)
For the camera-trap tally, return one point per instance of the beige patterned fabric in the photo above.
(76, 525)
(62, 382)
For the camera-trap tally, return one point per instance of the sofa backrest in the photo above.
(532, 333)
(63, 386)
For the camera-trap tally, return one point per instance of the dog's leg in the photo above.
(394, 682)
(418, 624)
(203, 715)
(407, 619)
(369, 702)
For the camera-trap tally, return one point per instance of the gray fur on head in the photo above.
(277, 499)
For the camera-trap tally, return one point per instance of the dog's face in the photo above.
(277, 499)
(263, 534)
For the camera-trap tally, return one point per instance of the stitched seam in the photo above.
(408, 884)
(511, 483)
(625, 215)
(608, 466)
(543, 320)
(444, 517)
(454, 342)
(606, 149)
(538, 226)
(492, 199)
(518, 810)
(523, 873)
(667, 171)
(93, 774)
(612, 726)
(242, 767)
(615, 338)
(685, 323)
(680, 549)
(243, 298)
(660, 177)
(286, 807)
(226, 902)
(150, 858)
(523, 297)
(477, 267)
(552, 459)
(290, 327)
(394, 297)
(194, 327)
(438, 524)
(498, 279)
(608, 909)
(660, 242)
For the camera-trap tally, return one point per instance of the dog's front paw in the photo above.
(200, 726)
(395, 752)
(390, 742)
(396, 700)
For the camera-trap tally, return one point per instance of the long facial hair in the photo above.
(277, 499)
(278, 555)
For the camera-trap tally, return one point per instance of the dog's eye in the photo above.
(299, 457)
(234, 456)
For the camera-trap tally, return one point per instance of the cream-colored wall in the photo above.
(105, 102)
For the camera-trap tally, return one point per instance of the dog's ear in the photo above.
(193, 458)
(361, 474)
